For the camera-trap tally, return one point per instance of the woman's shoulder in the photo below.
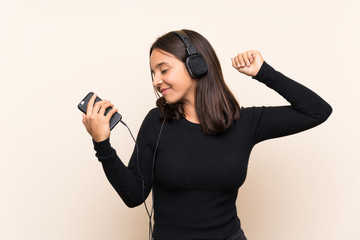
(153, 116)
(154, 113)
(151, 121)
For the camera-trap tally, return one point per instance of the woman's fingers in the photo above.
(105, 106)
(250, 56)
(248, 62)
(234, 63)
(101, 105)
(242, 60)
(110, 114)
(94, 109)
(83, 118)
(90, 105)
(246, 59)
(95, 121)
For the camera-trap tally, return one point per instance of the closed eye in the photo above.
(164, 71)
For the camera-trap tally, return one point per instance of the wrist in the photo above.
(100, 137)
(103, 148)
(264, 68)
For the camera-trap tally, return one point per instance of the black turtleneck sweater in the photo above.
(197, 176)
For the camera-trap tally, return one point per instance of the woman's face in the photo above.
(171, 78)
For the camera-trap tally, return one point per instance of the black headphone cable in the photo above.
(150, 214)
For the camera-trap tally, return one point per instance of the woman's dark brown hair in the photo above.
(215, 105)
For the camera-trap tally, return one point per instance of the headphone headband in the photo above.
(195, 62)
(190, 49)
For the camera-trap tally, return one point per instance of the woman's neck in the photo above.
(190, 113)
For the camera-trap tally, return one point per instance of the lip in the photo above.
(164, 90)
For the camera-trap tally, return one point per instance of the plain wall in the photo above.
(305, 186)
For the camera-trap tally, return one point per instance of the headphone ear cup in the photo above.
(196, 66)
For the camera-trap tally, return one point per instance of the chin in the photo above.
(169, 100)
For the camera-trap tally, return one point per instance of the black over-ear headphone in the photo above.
(195, 62)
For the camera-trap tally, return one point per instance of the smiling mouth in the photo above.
(162, 91)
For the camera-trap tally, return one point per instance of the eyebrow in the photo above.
(159, 65)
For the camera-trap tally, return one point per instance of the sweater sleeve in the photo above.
(306, 109)
(133, 182)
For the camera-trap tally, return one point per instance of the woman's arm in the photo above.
(132, 183)
(307, 109)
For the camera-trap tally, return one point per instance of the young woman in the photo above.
(193, 149)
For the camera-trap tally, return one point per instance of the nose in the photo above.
(157, 81)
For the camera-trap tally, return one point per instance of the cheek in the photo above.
(180, 77)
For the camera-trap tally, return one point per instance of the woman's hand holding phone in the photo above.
(95, 121)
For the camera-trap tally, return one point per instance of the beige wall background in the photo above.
(52, 53)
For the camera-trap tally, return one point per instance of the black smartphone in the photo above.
(115, 119)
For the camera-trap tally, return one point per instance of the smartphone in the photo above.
(115, 119)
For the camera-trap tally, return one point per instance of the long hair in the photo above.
(215, 105)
